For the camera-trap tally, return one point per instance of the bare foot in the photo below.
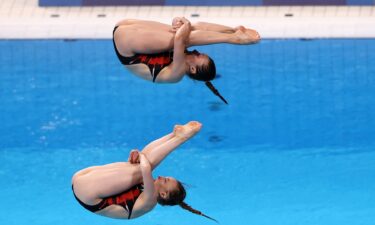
(253, 34)
(177, 127)
(188, 130)
(239, 27)
(247, 36)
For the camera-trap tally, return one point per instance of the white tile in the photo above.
(110, 9)
(237, 11)
(272, 11)
(362, 30)
(248, 11)
(23, 19)
(11, 32)
(293, 10)
(73, 12)
(320, 11)
(31, 3)
(129, 12)
(165, 11)
(331, 11)
(214, 11)
(7, 4)
(260, 12)
(342, 11)
(306, 11)
(354, 11)
(120, 12)
(225, 11)
(158, 11)
(365, 11)
(192, 10)
(178, 11)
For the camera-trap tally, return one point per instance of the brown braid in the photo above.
(177, 197)
(188, 207)
(206, 73)
(215, 91)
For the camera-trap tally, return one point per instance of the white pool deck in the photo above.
(24, 19)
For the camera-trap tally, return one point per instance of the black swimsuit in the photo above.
(155, 62)
(124, 199)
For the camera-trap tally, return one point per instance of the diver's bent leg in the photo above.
(106, 181)
(158, 154)
(242, 36)
(147, 24)
(133, 39)
(156, 143)
(181, 135)
(212, 27)
(200, 37)
(165, 27)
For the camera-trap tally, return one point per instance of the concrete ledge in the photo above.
(21, 19)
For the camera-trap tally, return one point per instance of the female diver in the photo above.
(127, 190)
(158, 52)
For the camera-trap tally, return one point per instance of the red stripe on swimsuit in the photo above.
(124, 199)
(155, 62)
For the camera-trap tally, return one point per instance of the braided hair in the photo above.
(177, 197)
(189, 208)
(215, 91)
(207, 73)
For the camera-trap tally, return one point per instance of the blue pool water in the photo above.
(295, 145)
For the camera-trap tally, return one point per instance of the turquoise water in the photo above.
(295, 145)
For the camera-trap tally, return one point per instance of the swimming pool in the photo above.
(295, 145)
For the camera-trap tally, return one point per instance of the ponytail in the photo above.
(215, 91)
(189, 208)
(207, 73)
(177, 197)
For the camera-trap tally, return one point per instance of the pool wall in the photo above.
(281, 93)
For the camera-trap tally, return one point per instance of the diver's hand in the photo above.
(184, 31)
(176, 24)
(184, 20)
(134, 156)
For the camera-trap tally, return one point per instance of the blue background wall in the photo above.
(202, 2)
